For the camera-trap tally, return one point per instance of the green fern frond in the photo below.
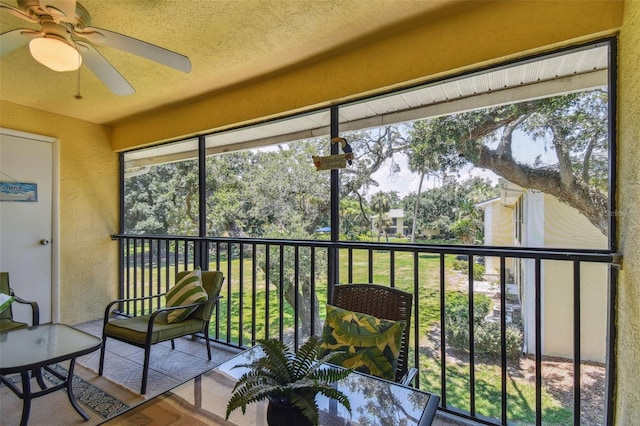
(333, 393)
(330, 375)
(254, 378)
(277, 358)
(306, 357)
(245, 396)
(285, 375)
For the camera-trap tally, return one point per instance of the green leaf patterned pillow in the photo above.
(371, 345)
(185, 292)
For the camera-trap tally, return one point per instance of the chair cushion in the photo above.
(185, 292)
(9, 325)
(371, 344)
(134, 330)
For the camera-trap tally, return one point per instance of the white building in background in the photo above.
(397, 223)
(529, 218)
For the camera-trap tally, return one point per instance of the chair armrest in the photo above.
(35, 309)
(131, 299)
(408, 377)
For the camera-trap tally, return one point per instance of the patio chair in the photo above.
(382, 302)
(147, 330)
(6, 317)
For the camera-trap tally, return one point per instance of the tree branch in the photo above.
(574, 192)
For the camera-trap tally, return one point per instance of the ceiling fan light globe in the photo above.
(55, 54)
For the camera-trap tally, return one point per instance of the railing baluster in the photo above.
(158, 272)
(167, 261)
(443, 338)
(186, 254)
(135, 276)
(218, 309)
(350, 266)
(296, 295)
(267, 262)
(281, 293)
(312, 255)
(370, 251)
(576, 343)
(127, 287)
(229, 292)
(538, 321)
(254, 286)
(472, 342)
(241, 295)
(416, 310)
(392, 268)
(503, 340)
(147, 284)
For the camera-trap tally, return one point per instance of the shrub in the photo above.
(463, 266)
(487, 340)
(460, 265)
(486, 334)
(478, 271)
(457, 308)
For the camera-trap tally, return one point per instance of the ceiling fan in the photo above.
(66, 40)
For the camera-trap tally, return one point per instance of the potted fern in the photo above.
(290, 381)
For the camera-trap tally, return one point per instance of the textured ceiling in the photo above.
(228, 42)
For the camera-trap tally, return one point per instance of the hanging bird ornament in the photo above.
(337, 161)
(346, 149)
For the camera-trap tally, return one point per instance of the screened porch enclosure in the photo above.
(502, 180)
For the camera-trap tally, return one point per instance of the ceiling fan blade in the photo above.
(104, 70)
(64, 10)
(19, 13)
(150, 51)
(11, 40)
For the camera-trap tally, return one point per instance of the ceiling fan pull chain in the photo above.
(78, 95)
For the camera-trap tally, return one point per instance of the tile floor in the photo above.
(169, 368)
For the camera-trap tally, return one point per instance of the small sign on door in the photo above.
(19, 191)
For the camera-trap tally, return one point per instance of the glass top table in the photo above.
(32, 349)
(203, 400)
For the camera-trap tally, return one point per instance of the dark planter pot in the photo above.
(285, 414)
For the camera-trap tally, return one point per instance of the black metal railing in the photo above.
(278, 289)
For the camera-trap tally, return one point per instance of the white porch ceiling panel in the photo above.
(568, 72)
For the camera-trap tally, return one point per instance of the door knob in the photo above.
(44, 242)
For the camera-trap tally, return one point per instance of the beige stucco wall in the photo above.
(88, 187)
(627, 399)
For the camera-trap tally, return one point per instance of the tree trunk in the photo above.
(305, 300)
(415, 209)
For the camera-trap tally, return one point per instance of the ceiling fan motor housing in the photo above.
(81, 19)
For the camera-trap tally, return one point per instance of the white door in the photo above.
(26, 237)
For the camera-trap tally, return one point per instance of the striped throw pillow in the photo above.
(185, 292)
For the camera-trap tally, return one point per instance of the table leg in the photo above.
(72, 398)
(26, 397)
(38, 373)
